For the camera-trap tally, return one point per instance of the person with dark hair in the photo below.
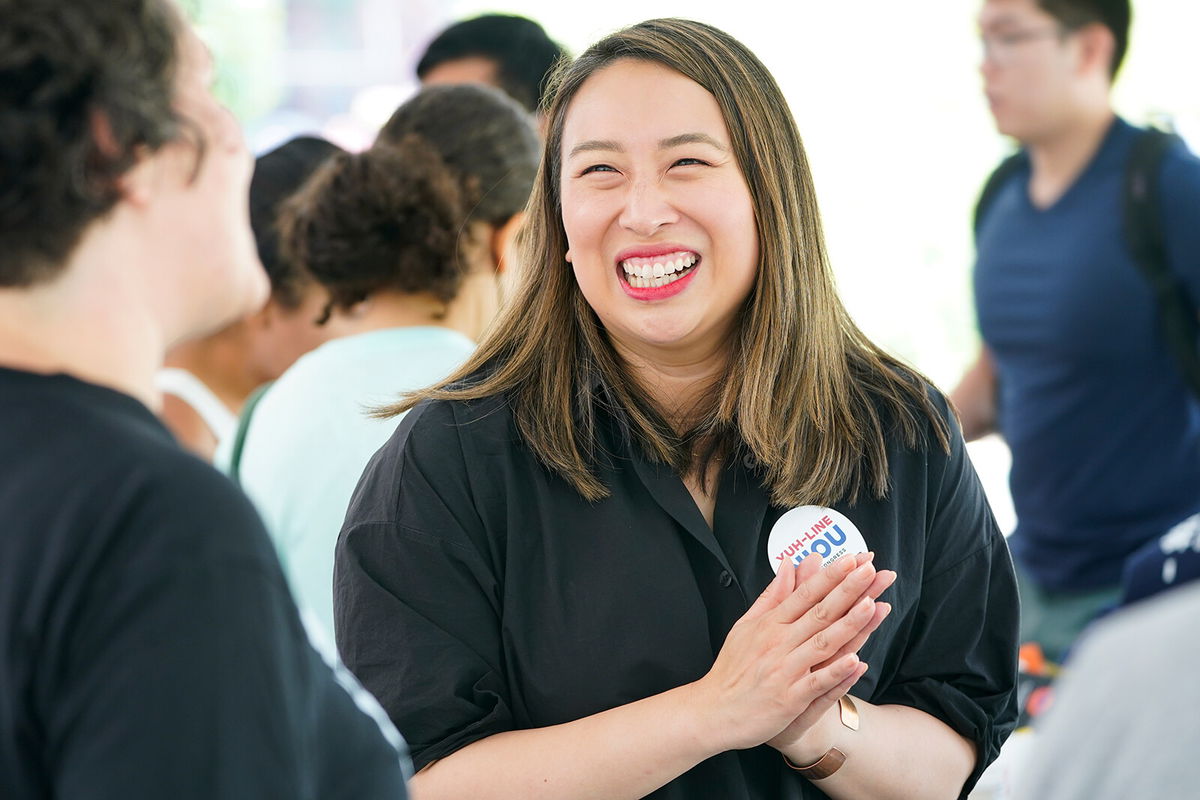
(408, 240)
(495, 150)
(1077, 371)
(148, 644)
(485, 137)
(635, 545)
(207, 381)
(509, 52)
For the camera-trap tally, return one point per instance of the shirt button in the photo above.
(726, 579)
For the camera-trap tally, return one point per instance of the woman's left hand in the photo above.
(809, 734)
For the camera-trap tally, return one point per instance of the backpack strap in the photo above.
(243, 426)
(1147, 241)
(1000, 176)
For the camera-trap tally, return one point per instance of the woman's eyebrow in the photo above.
(596, 144)
(610, 145)
(690, 138)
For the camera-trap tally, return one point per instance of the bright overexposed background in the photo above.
(886, 95)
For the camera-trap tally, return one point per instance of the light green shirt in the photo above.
(310, 437)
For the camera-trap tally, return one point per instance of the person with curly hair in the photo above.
(408, 239)
(148, 644)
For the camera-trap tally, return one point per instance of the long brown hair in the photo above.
(810, 398)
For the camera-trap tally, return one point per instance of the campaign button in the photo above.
(813, 529)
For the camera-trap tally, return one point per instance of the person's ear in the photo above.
(502, 240)
(136, 184)
(1096, 48)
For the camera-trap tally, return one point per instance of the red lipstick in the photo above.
(659, 292)
(653, 293)
(652, 250)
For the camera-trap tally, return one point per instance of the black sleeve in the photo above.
(188, 673)
(960, 660)
(416, 595)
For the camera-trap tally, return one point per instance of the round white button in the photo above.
(813, 529)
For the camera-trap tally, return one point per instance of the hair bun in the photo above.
(390, 218)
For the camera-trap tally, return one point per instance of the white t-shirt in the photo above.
(191, 390)
(1123, 723)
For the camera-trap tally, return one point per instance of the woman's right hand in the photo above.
(789, 649)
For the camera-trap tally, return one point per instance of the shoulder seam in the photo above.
(991, 543)
(408, 530)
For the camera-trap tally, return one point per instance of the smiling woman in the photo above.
(643, 200)
(537, 569)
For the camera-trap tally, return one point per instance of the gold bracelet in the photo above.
(848, 712)
(823, 767)
(833, 759)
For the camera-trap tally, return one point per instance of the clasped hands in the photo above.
(793, 654)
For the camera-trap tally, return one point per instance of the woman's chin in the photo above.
(665, 335)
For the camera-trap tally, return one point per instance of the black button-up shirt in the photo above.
(477, 592)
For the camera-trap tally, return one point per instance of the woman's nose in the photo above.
(647, 209)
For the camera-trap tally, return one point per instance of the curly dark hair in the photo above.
(389, 218)
(523, 53)
(67, 70)
(483, 135)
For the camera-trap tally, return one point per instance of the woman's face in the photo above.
(659, 220)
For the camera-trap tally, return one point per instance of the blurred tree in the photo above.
(248, 40)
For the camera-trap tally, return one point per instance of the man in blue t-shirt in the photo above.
(1075, 371)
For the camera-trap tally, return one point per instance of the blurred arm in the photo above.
(975, 397)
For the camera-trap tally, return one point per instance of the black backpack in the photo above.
(1147, 242)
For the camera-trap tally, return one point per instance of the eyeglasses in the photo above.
(1004, 48)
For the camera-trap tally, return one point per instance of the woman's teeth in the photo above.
(648, 273)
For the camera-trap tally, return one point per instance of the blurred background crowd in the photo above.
(387, 201)
(887, 96)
